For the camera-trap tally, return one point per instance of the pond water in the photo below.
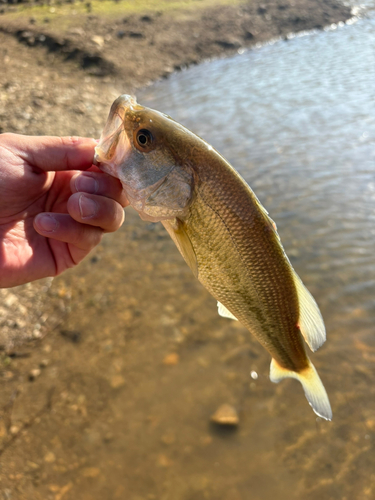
(297, 119)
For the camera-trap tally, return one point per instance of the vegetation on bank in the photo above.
(64, 14)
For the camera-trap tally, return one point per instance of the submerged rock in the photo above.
(225, 415)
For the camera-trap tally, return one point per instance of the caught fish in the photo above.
(222, 231)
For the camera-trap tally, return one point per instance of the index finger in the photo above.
(51, 153)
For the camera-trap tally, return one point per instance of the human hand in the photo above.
(51, 216)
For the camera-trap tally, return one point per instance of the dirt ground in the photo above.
(81, 354)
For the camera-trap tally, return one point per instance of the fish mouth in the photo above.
(113, 142)
(108, 141)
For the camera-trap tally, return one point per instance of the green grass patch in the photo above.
(62, 16)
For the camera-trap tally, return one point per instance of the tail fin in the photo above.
(312, 385)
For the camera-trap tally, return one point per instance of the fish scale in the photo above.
(239, 288)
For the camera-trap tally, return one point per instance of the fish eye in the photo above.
(144, 138)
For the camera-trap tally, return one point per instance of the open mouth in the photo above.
(109, 139)
(113, 143)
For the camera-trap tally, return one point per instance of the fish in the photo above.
(225, 235)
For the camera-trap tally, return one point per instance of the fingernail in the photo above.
(86, 183)
(87, 207)
(46, 223)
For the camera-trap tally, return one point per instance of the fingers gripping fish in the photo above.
(222, 231)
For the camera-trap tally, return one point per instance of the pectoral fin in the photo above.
(312, 385)
(223, 311)
(182, 241)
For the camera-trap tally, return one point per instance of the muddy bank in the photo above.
(91, 404)
(137, 48)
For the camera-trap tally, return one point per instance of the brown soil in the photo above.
(82, 356)
(51, 85)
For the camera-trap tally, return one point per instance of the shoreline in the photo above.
(140, 48)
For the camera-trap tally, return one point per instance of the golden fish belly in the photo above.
(243, 266)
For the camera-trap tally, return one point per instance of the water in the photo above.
(297, 120)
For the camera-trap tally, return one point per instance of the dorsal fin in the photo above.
(267, 217)
(310, 320)
(223, 311)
